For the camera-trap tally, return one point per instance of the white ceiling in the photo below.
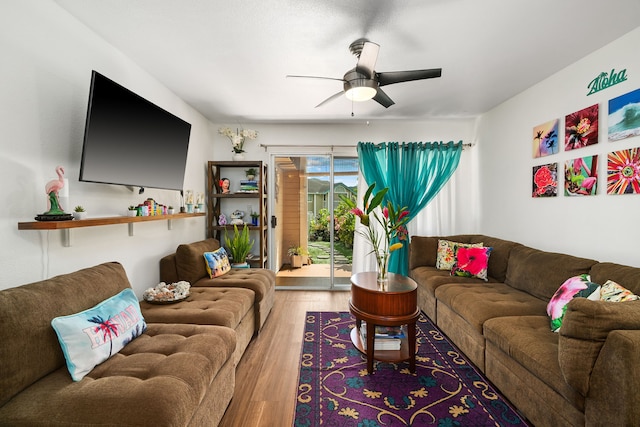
(229, 58)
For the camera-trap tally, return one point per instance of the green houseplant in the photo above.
(239, 245)
(297, 253)
(251, 173)
(79, 212)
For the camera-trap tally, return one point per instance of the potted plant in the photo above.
(254, 218)
(296, 253)
(132, 211)
(251, 173)
(239, 246)
(171, 210)
(79, 212)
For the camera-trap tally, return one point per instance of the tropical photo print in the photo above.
(581, 128)
(624, 116)
(545, 138)
(581, 176)
(545, 180)
(623, 172)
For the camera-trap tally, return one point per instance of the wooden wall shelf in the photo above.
(65, 226)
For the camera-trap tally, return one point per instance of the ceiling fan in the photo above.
(363, 82)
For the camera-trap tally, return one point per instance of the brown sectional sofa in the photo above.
(180, 372)
(187, 264)
(584, 375)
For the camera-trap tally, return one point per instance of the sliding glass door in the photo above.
(312, 235)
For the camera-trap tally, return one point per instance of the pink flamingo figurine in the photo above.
(52, 188)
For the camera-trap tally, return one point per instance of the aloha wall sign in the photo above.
(606, 80)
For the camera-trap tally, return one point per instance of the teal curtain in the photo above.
(414, 173)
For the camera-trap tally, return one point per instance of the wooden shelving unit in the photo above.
(216, 201)
(65, 226)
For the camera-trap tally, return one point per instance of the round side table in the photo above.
(396, 305)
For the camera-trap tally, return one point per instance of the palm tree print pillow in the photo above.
(92, 336)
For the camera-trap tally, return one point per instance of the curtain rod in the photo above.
(265, 146)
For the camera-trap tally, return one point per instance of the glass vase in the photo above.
(382, 260)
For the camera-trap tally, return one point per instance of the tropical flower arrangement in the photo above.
(390, 221)
(238, 138)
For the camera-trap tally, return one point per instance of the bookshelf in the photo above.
(225, 203)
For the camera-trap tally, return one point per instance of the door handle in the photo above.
(274, 221)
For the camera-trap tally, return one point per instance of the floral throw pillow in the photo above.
(471, 262)
(446, 255)
(217, 262)
(613, 292)
(574, 287)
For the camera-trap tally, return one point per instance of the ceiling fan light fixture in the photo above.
(360, 90)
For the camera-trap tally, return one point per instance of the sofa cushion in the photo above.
(540, 273)
(92, 336)
(259, 280)
(584, 330)
(528, 341)
(500, 254)
(217, 262)
(160, 378)
(190, 264)
(205, 306)
(623, 274)
(577, 286)
(41, 354)
(613, 292)
(423, 250)
(478, 302)
(447, 250)
(471, 262)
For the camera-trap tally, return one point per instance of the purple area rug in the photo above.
(446, 390)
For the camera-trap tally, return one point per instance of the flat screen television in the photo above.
(131, 141)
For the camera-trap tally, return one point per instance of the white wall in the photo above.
(44, 86)
(602, 227)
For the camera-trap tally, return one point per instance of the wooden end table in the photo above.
(395, 306)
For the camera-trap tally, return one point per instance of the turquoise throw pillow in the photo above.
(92, 336)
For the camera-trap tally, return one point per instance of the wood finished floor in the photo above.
(267, 375)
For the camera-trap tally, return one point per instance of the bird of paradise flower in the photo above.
(623, 172)
(108, 328)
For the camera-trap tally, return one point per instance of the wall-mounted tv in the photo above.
(131, 141)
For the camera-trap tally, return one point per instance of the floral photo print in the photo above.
(581, 128)
(623, 172)
(581, 176)
(545, 138)
(545, 180)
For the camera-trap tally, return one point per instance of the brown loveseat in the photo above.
(584, 375)
(171, 375)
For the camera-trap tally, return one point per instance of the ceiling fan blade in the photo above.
(314, 77)
(367, 60)
(383, 99)
(407, 76)
(329, 99)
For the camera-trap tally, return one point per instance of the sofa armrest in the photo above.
(615, 381)
(423, 251)
(586, 327)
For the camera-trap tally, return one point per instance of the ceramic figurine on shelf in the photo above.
(55, 212)
(222, 220)
(237, 217)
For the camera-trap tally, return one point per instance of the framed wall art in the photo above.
(581, 176)
(545, 138)
(624, 116)
(623, 172)
(545, 180)
(581, 128)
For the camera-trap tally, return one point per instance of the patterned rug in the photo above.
(446, 390)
